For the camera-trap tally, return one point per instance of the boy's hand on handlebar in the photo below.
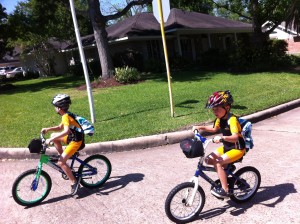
(49, 141)
(218, 139)
(44, 130)
(198, 128)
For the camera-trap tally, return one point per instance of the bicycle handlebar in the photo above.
(204, 140)
(199, 136)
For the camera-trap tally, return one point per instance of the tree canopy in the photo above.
(33, 22)
(259, 12)
(3, 33)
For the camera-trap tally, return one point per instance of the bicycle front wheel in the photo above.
(30, 190)
(244, 190)
(177, 206)
(95, 171)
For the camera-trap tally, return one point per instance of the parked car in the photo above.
(2, 71)
(15, 73)
(2, 74)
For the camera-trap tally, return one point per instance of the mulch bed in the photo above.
(102, 84)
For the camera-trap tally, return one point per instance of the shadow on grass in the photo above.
(187, 103)
(181, 76)
(43, 84)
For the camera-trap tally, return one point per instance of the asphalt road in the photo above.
(141, 180)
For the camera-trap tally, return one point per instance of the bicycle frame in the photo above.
(201, 169)
(46, 159)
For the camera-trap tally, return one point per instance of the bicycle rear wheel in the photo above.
(247, 188)
(28, 190)
(102, 167)
(176, 206)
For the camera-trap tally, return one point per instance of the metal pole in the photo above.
(166, 55)
(83, 61)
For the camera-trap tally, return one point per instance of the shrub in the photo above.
(178, 63)
(154, 65)
(75, 70)
(93, 66)
(215, 58)
(271, 56)
(31, 74)
(130, 58)
(127, 75)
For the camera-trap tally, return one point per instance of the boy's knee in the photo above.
(61, 163)
(209, 161)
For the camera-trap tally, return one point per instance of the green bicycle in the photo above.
(33, 186)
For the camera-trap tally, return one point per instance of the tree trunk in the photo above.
(100, 34)
(103, 51)
(259, 38)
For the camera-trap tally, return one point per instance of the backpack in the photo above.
(246, 132)
(86, 127)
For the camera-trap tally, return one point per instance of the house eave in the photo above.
(210, 30)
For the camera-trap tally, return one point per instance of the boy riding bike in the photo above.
(233, 143)
(69, 135)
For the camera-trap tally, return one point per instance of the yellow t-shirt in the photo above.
(228, 128)
(76, 136)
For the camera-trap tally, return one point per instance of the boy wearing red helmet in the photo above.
(233, 147)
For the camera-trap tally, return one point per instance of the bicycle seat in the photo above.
(239, 160)
(76, 154)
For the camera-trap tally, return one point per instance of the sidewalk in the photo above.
(146, 141)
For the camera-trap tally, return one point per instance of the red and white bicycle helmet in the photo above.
(219, 98)
(62, 101)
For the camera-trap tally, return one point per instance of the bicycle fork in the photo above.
(35, 182)
(195, 180)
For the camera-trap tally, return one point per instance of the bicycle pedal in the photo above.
(222, 199)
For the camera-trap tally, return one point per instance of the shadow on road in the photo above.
(268, 196)
(113, 184)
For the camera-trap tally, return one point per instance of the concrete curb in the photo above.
(146, 141)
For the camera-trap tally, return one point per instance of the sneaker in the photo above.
(74, 187)
(219, 193)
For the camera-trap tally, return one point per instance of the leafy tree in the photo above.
(99, 22)
(3, 33)
(203, 6)
(110, 7)
(258, 12)
(38, 20)
(35, 24)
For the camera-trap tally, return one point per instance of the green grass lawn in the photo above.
(139, 109)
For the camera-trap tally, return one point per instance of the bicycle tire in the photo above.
(23, 191)
(176, 203)
(103, 166)
(242, 194)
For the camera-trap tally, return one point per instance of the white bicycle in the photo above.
(186, 200)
